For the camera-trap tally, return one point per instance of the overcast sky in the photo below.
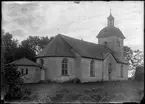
(81, 21)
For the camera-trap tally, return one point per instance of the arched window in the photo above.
(41, 61)
(110, 68)
(22, 71)
(26, 71)
(65, 66)
(92, 69)
(121, 71)
(118, 43)
(105, 43)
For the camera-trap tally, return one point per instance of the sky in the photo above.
(82, 21)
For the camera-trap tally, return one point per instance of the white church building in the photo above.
(66, 58)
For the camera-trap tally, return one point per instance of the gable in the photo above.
(110, 58)
(56, 48)
(116, 58)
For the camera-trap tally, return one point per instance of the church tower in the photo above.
(111, 37)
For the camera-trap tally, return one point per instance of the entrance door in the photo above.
(109, 71)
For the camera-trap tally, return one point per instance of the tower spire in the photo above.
(110, 19)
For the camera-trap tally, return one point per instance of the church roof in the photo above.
(61, 46)
(24, 62)
(110, 31)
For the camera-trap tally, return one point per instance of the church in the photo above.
(66, 58)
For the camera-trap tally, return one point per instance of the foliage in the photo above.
(75, 80)
(25, 51)
(28, 48)
(89, 95)
(36, 43)
(9, 46)
(134, 57)
(12, 78)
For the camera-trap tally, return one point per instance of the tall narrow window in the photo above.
(118, 43)
(121, 71)
(105, 43)
(22, 71)
(26, 71)
(92, 69)
(41, 61)
(65, 66)
(110, 68)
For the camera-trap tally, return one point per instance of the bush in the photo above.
(12, 78)
(94, 95)
(139, 74)
(14, 94)
(44, 81)
(75, 80)
(60, 95)
(89, 95)
(19, 94)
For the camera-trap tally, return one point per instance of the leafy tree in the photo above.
(9, 46)
(32, 43)
(25, 51)
(36, 43)
(135, 58)
(138, 58)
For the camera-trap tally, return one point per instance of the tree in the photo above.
(135, 58)
(25, 51)
(9, 46)
(36, 43)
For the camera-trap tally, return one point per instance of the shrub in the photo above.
(14, 94)
(75, 80)
(44, 81)
(12, 78)
(60, 95)
(94, 95)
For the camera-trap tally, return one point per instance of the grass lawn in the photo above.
(117, 91)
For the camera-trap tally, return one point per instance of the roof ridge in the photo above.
(22, 59)
(69, 45)
(80, 40)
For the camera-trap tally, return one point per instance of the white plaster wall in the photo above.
(112, 43)
(33, 74)
(53, 67)
(116, 69)
(125, 71)
(109, 59)
(118, 72)
(85, 70)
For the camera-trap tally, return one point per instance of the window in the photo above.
(118, 43)
(92, 69)
(22, 71)
(121, 71)
(110, 68)
(105, 43)
(65, 66)
(26, 71)
(41, 61)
